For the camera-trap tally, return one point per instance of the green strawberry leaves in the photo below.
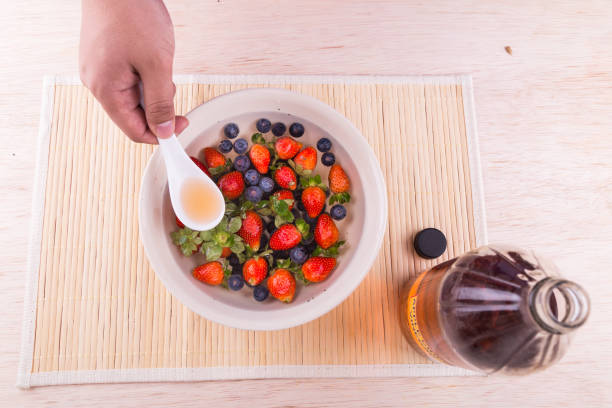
(340, 198)
(280, 208)
(222, 236)
(313, 181)
(212, 251)
(303, 227)
(299, 169)
(294, 268)
(258, 138)
(299, 275)
(238, 245)
(234, 225)
(331, 252)
(219, 170)
(187, 240)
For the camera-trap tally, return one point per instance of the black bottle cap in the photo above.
(430, 243)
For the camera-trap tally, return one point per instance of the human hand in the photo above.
(123, 43)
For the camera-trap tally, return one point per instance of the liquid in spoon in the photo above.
(199, 201)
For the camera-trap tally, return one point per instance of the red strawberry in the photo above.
(286, 237)
(307, 158)
(210, 272)
(231, 185)
(313, 199)
(326, 232)
(212, 158)
(179, 223)
(285, 177)
(251, 228)
(260, 157)
(338, 180)
(317, 269)
(226, 252)
(287, 148)
(200, 165)
(282, 285)
(254, 271)
(285, 195)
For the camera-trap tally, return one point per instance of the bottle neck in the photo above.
(559, 306)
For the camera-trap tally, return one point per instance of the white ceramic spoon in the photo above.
(195, 198)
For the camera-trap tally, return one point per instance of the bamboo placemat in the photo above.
(94, 310)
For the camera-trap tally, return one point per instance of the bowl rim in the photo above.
(376, 208)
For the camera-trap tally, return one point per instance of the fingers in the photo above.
(124, 109)
(180, 123)
(159, 98)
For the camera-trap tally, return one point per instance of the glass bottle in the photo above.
(493, 309)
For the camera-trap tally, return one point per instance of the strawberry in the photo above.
(260, 157)
(326, 232)
(286, 237)
(285, 177)
(231, 185)
(285, 195)
(317, 269)
(254, 271)
(212, 158)
(306, 159)
(287, 148)
(313, 199)
(201, 165)
(282, 285)
(210, 272)
(338, 180)
(226, 252)
(251, 229)
(179, 223)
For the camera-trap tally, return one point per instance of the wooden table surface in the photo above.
(545, 125)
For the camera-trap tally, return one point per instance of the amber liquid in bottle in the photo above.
(482, 311)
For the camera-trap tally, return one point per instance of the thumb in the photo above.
(158, 95)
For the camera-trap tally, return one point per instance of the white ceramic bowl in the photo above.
(363, 229)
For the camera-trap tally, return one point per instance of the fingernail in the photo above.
(164, 130)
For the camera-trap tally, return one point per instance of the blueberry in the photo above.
(235, 282)
(263, 241)
(307, 240)
(298, 254)
(225, 146)
(254, 194)
(311, 247)
(241, 146)
(278, 129)
(234, 262)
(284, 254)
(266, 184)
(252, 177)
(310, 221)
(260, 293)
(324, 144)
(328, 159)
(338, 212)
(300, 206)
(231, 130)
(296, 213)
(296, 129)
(263, 125)
(242, 163)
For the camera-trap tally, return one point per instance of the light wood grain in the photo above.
(544, 123)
